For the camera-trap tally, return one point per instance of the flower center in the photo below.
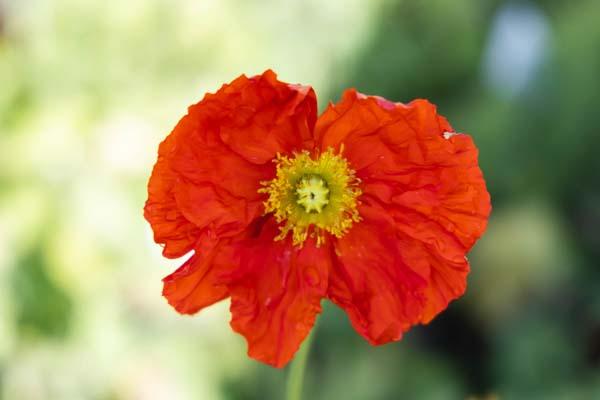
(312, 196)
(312, 193)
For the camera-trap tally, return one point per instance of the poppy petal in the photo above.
(170, 227)
(195, 284)
(265, 117)
(209, 169)
(276, 294)
(423, 175)
(370, 280)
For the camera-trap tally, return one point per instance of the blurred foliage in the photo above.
(88, 89)
(29, 284)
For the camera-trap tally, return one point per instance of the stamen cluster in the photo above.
(312, 196)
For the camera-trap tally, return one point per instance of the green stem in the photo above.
(296, 374)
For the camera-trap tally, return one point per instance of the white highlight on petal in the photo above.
(448, 135)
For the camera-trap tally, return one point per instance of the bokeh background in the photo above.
(89, 88)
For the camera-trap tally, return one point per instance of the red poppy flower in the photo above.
(373, 205)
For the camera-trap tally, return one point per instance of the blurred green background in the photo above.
(89, 88)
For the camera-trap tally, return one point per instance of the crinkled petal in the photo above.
(196, 283)
(170, 227)
(372, 282)
(267, 117)
(209, 169)
(276, 294)
(423, 175)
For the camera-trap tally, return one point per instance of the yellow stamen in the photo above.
(312, 196)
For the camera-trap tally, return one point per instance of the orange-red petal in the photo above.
(424, 176)
(197, 284)
(371, 281)
(276, 294)
(210, 167)
(261, 116)
(170, 227)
